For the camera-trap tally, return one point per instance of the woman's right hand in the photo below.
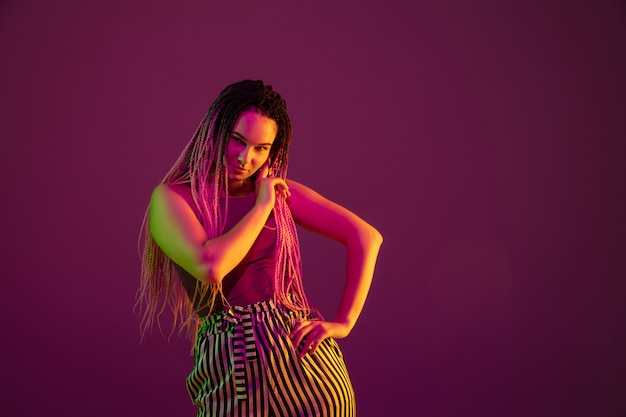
(268, 187)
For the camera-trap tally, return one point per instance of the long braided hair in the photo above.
(202, 166)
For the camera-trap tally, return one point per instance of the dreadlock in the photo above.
(202, 166)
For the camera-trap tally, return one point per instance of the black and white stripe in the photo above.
(246, 365)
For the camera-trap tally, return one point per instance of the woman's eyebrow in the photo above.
(240, 136)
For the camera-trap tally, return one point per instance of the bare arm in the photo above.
(180, 235)
(362, 242)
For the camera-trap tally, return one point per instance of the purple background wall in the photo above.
(485, 140)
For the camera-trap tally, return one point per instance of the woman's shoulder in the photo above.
(181, 189)
(174, 198)
(165, 190)
(296, 186)
(301, 192)
(168, 193)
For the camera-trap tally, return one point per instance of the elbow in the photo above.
(209, 272)
(213, 277)
(367, 237)
(376, 237)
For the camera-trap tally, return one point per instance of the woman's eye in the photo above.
(261, 148)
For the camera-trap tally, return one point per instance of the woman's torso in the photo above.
(253, 279)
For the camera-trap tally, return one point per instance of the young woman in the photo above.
(221, 250)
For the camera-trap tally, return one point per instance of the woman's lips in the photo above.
(238, 170)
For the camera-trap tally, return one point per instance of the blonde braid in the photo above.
(202, 166)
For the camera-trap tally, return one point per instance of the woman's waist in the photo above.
(234, 316)
(249, 288)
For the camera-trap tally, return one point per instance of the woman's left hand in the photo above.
(307, 335)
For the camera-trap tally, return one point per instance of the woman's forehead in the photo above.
(255, 127)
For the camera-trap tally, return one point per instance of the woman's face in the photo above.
(249, 144)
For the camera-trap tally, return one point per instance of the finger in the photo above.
(280, 187)
(303, 348)
(287, 191)
(298, 338)
(299, 333)
(315, 344)
(264, 172)
(296, 327)
(267, 168)
(283, 189)
(298, 343)
(311, 342)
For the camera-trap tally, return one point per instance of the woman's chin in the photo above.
(237, 178)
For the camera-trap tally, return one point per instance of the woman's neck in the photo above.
(240, 187)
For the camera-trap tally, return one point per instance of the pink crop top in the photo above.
(253, 279)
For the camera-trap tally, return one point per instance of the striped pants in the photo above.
(246, 365)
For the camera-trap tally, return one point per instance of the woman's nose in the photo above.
(243, 156)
